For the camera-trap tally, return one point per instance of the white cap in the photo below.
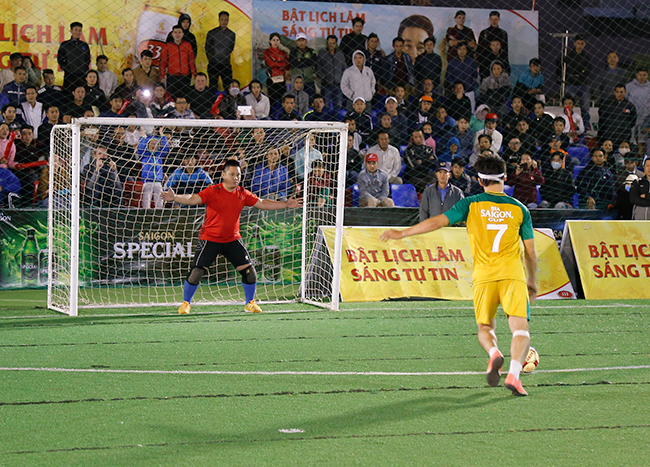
(391, 98)
(301, 35)
(359, 98)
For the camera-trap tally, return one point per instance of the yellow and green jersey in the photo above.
(496, 224)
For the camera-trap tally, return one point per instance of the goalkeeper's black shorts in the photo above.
(206, 253)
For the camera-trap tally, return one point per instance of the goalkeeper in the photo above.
(220, 231)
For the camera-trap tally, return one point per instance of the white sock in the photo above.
(493, 350)
(515, 368)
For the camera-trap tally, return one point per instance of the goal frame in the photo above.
(75, 128)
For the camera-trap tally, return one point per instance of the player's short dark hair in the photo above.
(416, 21)
(398, 39)
(288, 96)
(49, 106)
(31, 86)
(231, 163)
(200, 73)
(332, 36)
(20, 67)
(146, 53)
(125, 70)
(485, 136)
(224, 12)
(357, 19)
(101, 57)
(74, 24)
(317, 96)
(178, 26)
(495, 13)
(26, 127)
(559, 119)
(490, 165)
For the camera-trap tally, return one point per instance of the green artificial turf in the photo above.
(196, 411)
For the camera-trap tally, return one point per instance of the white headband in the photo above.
(495, 177)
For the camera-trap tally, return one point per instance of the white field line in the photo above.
(379, 310)
(308, 373)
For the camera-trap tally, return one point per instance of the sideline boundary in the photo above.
(308, 373)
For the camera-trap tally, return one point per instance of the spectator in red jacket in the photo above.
(177, 62)
(525, 180)
(278, 68)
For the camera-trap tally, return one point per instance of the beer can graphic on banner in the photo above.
(154, 25)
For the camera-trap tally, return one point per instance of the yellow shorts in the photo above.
(511, 294)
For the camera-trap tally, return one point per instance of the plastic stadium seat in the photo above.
(342, 114)
(402, 170)
(405, 196)
(539, 195)
(355, 195)
(575, 201)
(374, 113)
(577, 169)
(402, 149)
(508, 190)
(580, 152)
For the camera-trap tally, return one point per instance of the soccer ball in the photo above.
(532, 360)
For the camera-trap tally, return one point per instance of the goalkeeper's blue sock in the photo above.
(188, 291)
(249, 291)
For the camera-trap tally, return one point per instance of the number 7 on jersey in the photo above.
(501, 229)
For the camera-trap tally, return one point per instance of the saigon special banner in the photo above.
(319, 19)
(119, 30)
(433, 265)
(613, 258)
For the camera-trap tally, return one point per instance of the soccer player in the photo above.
(220, 232)
(495, 224)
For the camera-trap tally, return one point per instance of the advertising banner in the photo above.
(613, 258)
(434, 265)
(319, 19)
(120, 247)
(119, 30)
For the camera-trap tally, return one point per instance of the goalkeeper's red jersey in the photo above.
(221, 224)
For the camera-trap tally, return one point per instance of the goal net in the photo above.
(114, 241)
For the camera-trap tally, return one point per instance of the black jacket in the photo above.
(578, 68)
(74, 57)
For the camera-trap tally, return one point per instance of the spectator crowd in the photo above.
(416, 116)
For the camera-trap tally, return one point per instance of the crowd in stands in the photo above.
(416, 116)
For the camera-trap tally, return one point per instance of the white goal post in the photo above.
(114, 242)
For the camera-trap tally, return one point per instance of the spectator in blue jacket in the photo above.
(464, 69)
(271, 179)
(152, 151)
(9, 184)
(189, 178)
(15, 91)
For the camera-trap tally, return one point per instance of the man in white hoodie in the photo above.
(638, 93)
(358, 80)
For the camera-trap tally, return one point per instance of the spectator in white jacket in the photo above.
(390, 160)
(358, 80)
(259, 103)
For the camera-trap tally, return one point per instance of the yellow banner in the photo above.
(434, 265)
(119, 30)
(613, 257)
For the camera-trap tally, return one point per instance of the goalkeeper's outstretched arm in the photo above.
(189, 200)
(270, 205)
